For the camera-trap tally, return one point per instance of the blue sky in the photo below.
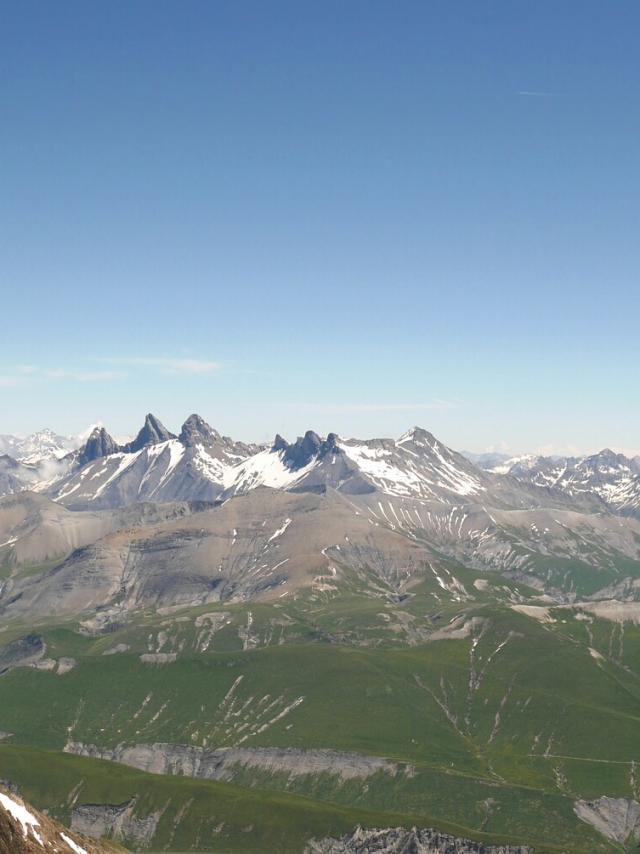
(347, 216)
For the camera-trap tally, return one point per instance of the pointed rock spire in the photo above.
(279, 444)
(330, 444)
(196, 431)
(99, 444)
(303, 450)
(151, 433)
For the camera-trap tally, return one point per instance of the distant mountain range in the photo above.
(613, 477)
(43, 445)
(93, 470)
(391, 504)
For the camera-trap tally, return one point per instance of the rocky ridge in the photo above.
(398, 840)
(222, 763)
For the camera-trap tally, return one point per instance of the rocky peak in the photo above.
(604, 463)
(330, 445)
(305, 448)
(419, 436)
(279, 444)
(99, 444)
(152, 433)
(611, 458)
(196, 431)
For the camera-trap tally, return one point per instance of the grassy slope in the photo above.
(223, 816)
(534, 720)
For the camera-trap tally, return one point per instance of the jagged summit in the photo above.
(303, 450)
(607, 457)
(99, 444)
(196, 431)
(152, 433)
(418, 434)
(279, 443)
(306, 448)
(201, 464)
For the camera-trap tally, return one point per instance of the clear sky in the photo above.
(350, 216)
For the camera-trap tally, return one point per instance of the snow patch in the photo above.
(73, 845)
(22, 815)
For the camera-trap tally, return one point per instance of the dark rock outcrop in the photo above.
(398, 840)
(116, 820)
(99, 444)
(303, 450)
(306, 448)
(23, 652)
(152, 433)
(196, 431)
(279, 443)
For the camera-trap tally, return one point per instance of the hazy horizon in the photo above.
(266, 437)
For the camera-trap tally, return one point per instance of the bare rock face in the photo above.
(151, 433)
(115, 820)
(99, 444)
(24, 652)
(615, 818)
(65, 664)
(118, 648)
(196, 431)
(398, 840)
(158, 657)
(223, 763)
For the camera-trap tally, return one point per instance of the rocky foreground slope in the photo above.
(24, 830)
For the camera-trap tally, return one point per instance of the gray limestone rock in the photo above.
(398, 840)
(615, 818)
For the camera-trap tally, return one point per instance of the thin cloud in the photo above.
(431, 406)
(551, 450)
(82, 376)
(168, 366)
(21, 374)
(29, 374)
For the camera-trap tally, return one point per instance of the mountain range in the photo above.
(321, 635)
(610, 475)
(94, 470)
